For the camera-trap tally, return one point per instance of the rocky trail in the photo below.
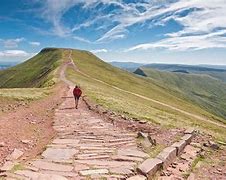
(85, 146)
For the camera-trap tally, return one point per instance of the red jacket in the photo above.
(77, 92)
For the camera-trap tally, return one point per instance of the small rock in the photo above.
(142, 122)
(2, 144)
(213, 145)
(26, 141)
(141, 134)
(152, 141)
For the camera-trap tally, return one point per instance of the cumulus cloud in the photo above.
(99, 51)
(35, 43)
(11, 43)
(14, 53)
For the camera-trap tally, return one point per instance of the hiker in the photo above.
(77, 92)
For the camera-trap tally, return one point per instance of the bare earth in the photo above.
(31, 123)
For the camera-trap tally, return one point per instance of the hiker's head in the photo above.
(76, 86)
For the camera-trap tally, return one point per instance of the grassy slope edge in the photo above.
(35, 72)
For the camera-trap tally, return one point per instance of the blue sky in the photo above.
(147, 31)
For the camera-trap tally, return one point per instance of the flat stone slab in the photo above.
(122, 170)
(8, 166)
(65, 141)
(149, 167)
(38, 176)
(132, 152)
(82, 157)
(65, 174)
(189, 131)
(58, 153)
(51, 166)
(187, 138)
(180, 145)
(126, 158)
(168, 155)
(105, 163)
(137, 177)
(93, 171)
(16, 154)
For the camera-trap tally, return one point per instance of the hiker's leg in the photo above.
(76, 102)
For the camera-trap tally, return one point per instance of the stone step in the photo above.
(61, 173)
(51, 166)
(37, 175)
(82, 157)
(94, 148)
(65, 141)
(59, 153)
(93, 171)
(110, 163)
(132, 152)
(126, 158)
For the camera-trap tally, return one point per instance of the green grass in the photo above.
(127, 103)
(17, 167)
(36, 72)
(25, 93)
(205, 91)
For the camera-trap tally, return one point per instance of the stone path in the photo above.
(86, 146)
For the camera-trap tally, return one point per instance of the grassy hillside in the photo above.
(136, 96)
(35, 72)
(204, 90)
(218, 72)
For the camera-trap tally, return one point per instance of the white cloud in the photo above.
(11, 43)
(81, 39)
(115, 33)
(99, 51)
(14, 53)
(204, 27)
(34, 43)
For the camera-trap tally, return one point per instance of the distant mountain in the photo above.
(215, 71)
(191, 68)
(213, 66)
(5, 65)
(129, 66)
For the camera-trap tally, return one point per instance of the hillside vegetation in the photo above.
(36, 72)
(218, 72)
(204, 90)
(137, 96)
